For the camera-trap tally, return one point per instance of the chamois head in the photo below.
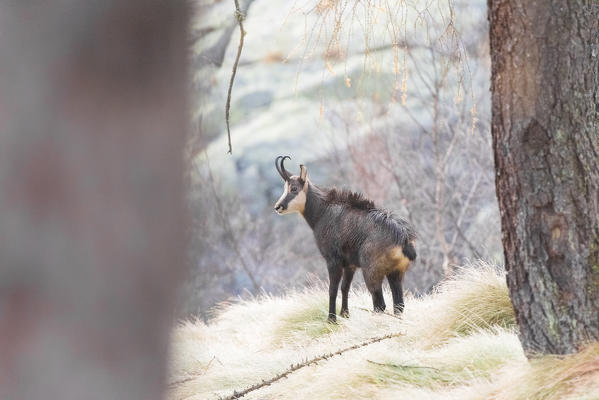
(294, 189)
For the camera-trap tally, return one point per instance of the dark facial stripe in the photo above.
(290, 196)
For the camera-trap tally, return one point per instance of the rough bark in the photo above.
(545, 128)
(92, 128)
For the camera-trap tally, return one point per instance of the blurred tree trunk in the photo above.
(92, 128)
(545, 128)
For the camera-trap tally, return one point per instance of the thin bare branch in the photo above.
(379, 313)
(240, 16)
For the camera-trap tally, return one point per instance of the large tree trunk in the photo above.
(545, 128)
(93, 116)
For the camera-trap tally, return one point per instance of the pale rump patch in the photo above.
(394, 259)
(397, 255)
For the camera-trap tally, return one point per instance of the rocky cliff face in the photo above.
(296, 74)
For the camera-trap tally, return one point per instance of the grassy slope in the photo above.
(458, 343)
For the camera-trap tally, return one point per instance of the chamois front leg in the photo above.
(395, 282)
(335, 271)
(348, 275)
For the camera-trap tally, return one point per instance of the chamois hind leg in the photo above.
(335, 271)
(374, 283)
(378, 301)
(348, 275)
(395, 282)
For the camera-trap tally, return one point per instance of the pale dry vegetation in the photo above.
(459, 342)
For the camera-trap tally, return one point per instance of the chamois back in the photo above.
(351, 199)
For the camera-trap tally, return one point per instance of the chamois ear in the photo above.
(303, 172)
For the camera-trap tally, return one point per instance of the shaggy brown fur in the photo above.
(352, 199)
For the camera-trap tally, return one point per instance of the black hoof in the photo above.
(379, 308)
(344, 313)
(332, 319)
(398, 310)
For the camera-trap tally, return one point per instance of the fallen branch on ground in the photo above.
(379, 313)
(305, 363)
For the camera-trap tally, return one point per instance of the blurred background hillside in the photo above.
(390, 98)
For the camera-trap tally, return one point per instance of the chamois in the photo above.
(351, 233)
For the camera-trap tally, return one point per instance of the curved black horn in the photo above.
(280, 169)
(283, 170)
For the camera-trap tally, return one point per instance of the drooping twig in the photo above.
(240, 16)
(305, 363)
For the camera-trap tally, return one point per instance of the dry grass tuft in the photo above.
(306, 322)
(574, 376)
(475, 297)
(458, 343)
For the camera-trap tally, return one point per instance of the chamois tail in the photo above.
(409, 251)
